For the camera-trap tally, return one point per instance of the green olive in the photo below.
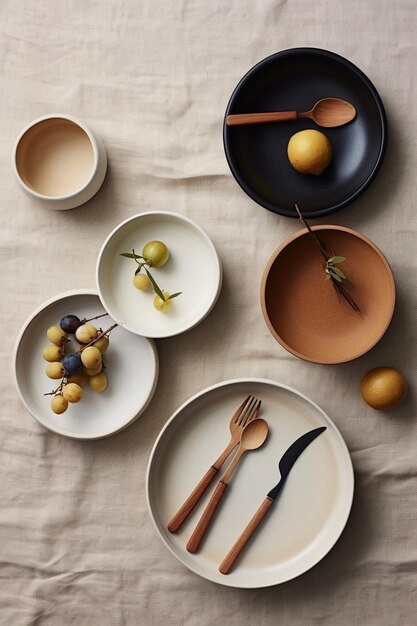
(141, 281)
(162, 305)
(156, 253)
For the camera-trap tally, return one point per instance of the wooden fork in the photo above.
(243, 415)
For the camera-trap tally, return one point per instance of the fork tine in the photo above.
(247, 411)
(251, 413)
(240, 409)
(254, 412)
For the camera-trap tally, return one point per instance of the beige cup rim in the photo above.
(93, 143)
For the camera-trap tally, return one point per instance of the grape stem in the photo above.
(90, 319)
(57, 391)
(99, 336)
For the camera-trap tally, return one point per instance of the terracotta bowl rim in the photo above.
(271, 261)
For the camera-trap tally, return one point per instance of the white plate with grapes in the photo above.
(78, 372)
(158, 274)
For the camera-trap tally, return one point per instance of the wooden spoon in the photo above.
(328, 112)
(247, 411)
(253, 436)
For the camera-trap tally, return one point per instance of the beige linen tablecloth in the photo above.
(153, 78)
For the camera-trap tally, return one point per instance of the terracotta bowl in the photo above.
(305, 313)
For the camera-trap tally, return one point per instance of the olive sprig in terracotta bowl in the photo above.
(319, 311)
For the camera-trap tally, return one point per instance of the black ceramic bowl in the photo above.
(257, 154)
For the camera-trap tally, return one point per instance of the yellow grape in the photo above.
(72, 392)
(81, 378)
(59, 404)
(102, 344)
(86, 333)
(91, 357)
(98, 382)
(56, 335)
(93, 371)
(52, 353)
(54, 370)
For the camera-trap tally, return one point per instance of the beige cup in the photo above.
(59, 161)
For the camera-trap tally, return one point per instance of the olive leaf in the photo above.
(339, 273)
(174, 295)
(129, 255)
(335, 260)
(154, 285)
(335, 276)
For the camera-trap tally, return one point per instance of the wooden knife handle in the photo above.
(205, 519)
(192, 500)
(227, 563)
(239, 119)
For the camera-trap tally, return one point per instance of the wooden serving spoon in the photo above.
(328, 112)
(253, 436)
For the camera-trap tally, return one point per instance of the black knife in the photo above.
(285, 465)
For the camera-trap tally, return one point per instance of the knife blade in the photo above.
(285, 465)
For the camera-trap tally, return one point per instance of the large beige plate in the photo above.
(302, 525)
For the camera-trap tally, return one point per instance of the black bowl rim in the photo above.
(384, 129)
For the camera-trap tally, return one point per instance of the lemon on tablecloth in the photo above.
(383, 388)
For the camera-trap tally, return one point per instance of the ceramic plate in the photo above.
(193, 268)
(257, 155)
(131, 368)
(302, 525)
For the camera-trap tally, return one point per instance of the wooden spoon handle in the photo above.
(205, 519)
(245, 536)
(192, 500)
(260, 118)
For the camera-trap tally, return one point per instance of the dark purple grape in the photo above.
(70, 323)
(72, 363)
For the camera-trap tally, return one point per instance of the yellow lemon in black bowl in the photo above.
(309, 152)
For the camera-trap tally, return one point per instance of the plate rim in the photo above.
(321, 52)
(228, 582)
(78, 436)
(288, 240)
(216, 257)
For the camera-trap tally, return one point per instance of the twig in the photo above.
(90, 319)
(338, 286)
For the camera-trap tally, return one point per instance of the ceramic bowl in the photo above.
(59, 161)
(257, 154)
(194, 269)
(131, 368)
(305, 313)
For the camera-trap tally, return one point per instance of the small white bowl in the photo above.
(59, 161)
(131, 368)
(194, 269)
